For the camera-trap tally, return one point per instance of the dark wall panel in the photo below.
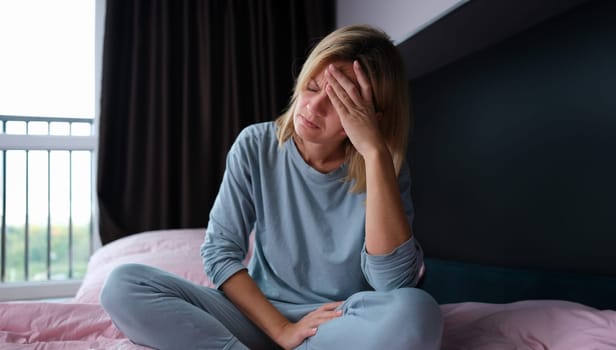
(513, 151)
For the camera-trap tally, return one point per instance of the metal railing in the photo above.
(46, 224)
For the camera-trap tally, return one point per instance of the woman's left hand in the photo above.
(355, 107)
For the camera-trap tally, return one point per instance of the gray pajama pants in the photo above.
(163, 311)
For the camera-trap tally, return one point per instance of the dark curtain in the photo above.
(180, 80)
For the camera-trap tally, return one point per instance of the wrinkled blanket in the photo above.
(82, 324)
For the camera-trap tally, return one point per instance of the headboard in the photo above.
(453, 282)
(513, 161)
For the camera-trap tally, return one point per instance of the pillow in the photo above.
(530, 324)
(176, 251)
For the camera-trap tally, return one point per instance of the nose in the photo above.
(319, 104)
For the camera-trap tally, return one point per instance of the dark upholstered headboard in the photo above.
(513, 158)
(452, 282)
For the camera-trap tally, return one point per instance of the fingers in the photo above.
(331, 306)
(327, 311)
(323, 314)
(339, 106)
(348, 97)
(307, 327)
(359, 92)
(338, 96)
(328, 315)
(309, 332)
(344, 87)
(362, 80)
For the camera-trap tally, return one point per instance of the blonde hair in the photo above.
(383, 65)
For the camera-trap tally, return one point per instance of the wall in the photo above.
(512, 152)
(398, 18)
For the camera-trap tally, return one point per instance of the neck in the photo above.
(322, 157)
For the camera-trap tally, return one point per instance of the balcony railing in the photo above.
(46, 186)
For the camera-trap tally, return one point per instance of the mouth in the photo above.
(308, 123)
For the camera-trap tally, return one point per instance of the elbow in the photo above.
(399, 269)
(389, 283)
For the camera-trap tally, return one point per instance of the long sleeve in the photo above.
(231, 218)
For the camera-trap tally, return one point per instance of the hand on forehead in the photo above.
(345, 67)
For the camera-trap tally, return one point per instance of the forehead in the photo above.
(345, 67)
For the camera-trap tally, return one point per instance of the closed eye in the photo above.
(313, 86)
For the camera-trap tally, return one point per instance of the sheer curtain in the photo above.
(180, 80)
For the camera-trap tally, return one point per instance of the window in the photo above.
(47, 143)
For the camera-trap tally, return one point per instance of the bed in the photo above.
(81, 323)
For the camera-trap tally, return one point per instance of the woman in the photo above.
(326, 191)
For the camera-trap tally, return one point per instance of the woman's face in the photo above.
(315, 118)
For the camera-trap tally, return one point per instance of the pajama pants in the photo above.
(164, 311)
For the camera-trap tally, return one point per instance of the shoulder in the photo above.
(257, 133)
(255, 139)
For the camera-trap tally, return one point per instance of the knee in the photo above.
(120, 285)
(422, 317)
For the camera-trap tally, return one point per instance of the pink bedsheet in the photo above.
(59, 326)
(82, 324)
(531, 324)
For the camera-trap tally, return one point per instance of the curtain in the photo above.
(180, 80)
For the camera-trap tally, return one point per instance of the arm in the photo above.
(387, 226)
(246, 295)
(226, 244)
(391, 258)
(401, 267)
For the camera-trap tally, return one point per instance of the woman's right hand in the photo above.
(293, 334)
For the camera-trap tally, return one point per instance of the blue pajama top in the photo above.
(309, 229)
